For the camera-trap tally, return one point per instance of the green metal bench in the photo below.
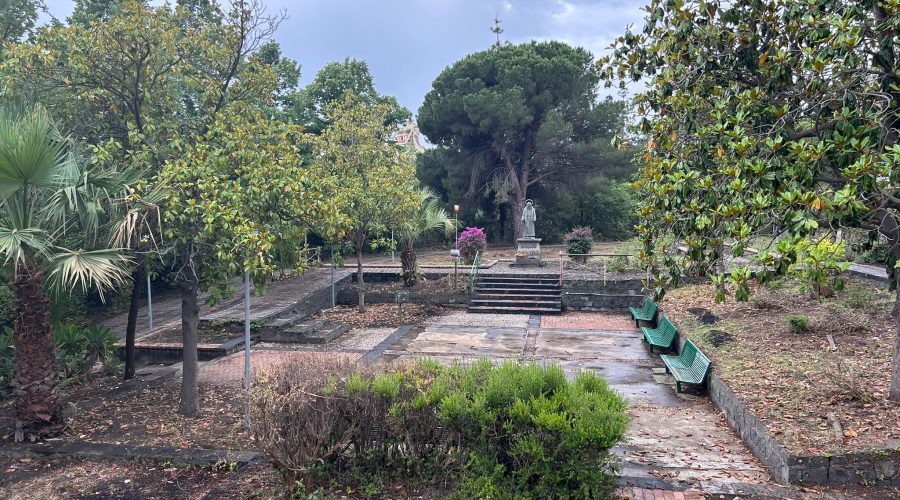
(663, 336)
(689, 367)
(647, 312)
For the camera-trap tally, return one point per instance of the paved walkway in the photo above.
(677, 440)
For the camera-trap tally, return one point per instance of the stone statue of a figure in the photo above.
(528, 217)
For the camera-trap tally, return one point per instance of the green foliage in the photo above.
(78, 349)
(231, 194)
(857, 296)
(506, 107)
(819, 265)
(579, 240)
(507, 431)
(17, 19)
(332, 84)
(798, 323)
(426, 219)
(7, 357)
(370, 179)
(605, 205)
(732, 154)
(7, 300)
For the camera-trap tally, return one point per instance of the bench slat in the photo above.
(663, 336)
(689, 367)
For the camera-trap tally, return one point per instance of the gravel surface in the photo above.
(463, 318)
(357, 339)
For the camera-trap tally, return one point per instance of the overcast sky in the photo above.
(408, 42)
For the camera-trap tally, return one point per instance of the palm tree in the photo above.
(427, 219)
(45, 194)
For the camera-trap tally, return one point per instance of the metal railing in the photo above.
(312, 256)
(591, 263)
(473, 273)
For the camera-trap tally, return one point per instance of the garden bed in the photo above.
(813, 399)
(207, 333)
(442, 285)
(378, 315)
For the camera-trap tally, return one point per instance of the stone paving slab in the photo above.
(566, 344)
(691, 443)
(464, 341)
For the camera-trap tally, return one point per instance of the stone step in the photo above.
(523, 276)
(285, 321)
(496, 284)
(307, 328)
(516, 291)
(519, 279)
(515, 303)
(514, 310)
(293, 333)
(324, 335)
(517, 296)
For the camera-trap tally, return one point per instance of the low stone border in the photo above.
(170, 353)
(177, 456)
(351, 297)
(387, 343)
(881, 466)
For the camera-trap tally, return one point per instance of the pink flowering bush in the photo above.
(470, 242)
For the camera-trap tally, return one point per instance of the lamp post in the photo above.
(456, 221)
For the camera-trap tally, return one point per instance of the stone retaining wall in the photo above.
(875, 466)
(617, 293)
(880, 466)
(350, 297)
(599, 302)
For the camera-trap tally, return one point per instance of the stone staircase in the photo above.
(293, 328)
(520, 293)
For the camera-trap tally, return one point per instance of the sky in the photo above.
(407, 43)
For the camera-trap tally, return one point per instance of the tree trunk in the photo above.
(360, 282)
(137, 280)
(408, 265)
(895, 366)
(190, 317)
(35, 382)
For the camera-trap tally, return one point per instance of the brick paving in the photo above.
(589, 321)
(648, 494)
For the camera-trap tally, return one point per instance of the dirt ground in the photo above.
(795, 381)
(379, 315)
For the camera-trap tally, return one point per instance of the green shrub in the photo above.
(6, 305)
(79, 349)
(488, 430)
(857, 297)
(7, 355)
(798, 323)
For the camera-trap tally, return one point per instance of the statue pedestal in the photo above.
(528, 252)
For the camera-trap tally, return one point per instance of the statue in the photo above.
(528, 217)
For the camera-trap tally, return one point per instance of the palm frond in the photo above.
(16, 244)
(142, 221)
(103, 269)
(30, 151)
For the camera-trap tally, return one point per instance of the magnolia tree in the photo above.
(375, 182)
(765, 117)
